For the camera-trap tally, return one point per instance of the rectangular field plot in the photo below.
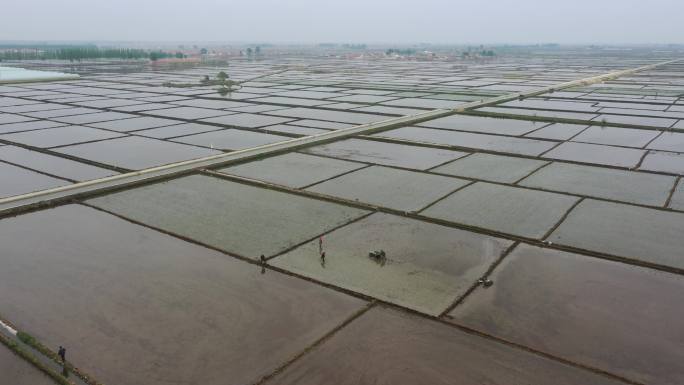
(496, 168)
(177, 130)
(134, 124)
(247, 120)
(497, 143)
(371, 348)
(387, 154)
(557, 131)
(16, 180)
(677, 201)
(539, 113)
(388, 187)
(292, 169)
(641, 233)
(322, 124)
(63, 112)
(231, 139)
(88, 280)
(290, 102)
(20, 372)
(485, 125)
(298, 130)
(628, 137)
(669, 162)
(517, 211)
(241, 219)
(12, 118)
(93, 118)
(585, 310)
(136, 153)
(636, 120)
(422, 103)
(389, 110)
(668, 141)
(333, 116)
(621, 185)
(28, 126)
(59, 136)
(596, 154)
(50, 164)
(427, 266)
(188, 113)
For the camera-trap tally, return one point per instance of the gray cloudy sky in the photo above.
(395, 21)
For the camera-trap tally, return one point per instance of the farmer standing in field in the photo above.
(62, 353)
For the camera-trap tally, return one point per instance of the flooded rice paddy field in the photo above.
(14, 367)
(533, 240)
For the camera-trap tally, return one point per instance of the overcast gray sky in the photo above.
(369, 21)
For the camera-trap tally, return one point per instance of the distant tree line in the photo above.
(399, 51)
(156, 55)
(482, 53)
(77, 53)
(253, 52)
